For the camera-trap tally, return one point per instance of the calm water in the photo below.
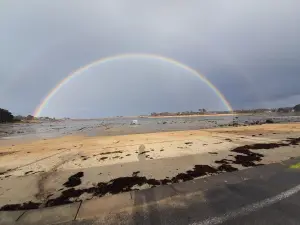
(119, 126)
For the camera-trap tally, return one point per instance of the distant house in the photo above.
(285, 110)
(29, 117)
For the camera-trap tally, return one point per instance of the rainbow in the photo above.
(82, 69)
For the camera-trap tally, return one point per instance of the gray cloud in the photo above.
(248, 49)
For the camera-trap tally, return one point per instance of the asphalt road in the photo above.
(262, 195)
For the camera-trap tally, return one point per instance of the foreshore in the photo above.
(173, 116)
(198, 115)
(47, 172)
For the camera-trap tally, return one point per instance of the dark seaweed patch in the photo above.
(30, 171)
(108, 153)
(103, 158)
(7, 153)
(249, 158)
(141, 153)
(227, 168)
(223, 161)
(228, 139)
(134, 174)
(198, 171)
(24, 206)
(74, 180)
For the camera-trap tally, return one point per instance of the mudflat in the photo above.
(56, 171)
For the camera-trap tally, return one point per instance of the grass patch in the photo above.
(295, 166)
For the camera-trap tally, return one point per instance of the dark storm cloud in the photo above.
(248, 49)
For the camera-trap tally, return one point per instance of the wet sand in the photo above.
(61, 170)
(199, 115)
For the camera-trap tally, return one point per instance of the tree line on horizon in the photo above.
(204, 111)
(7, 117)
(297, 108)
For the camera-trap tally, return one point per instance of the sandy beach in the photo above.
(56, 171)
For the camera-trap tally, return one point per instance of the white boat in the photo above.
(134, 122)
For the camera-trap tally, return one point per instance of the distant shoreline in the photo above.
(174, 116)
(211, 115)
(37, 120)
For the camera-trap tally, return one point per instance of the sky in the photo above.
(249, 50)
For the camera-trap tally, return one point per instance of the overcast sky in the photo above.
(250, 50)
